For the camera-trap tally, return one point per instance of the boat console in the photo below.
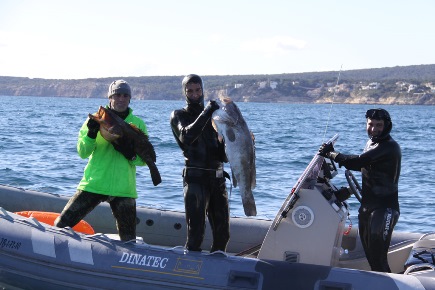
(310, 224)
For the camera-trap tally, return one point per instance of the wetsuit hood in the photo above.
(380, 114)
(193, 78)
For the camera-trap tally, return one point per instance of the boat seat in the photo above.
(422, 252)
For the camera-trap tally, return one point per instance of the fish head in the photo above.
(228, 113)
(110, 128)
(225, 100)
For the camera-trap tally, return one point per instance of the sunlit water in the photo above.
(38, 150)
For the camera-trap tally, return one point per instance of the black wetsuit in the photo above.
(205, 191)
(380, 166)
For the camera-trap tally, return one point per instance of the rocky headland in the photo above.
(407, 85)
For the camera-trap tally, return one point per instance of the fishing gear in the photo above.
(332, 102)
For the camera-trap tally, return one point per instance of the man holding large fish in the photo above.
(110, 174)
(204, 186)
(204, 152)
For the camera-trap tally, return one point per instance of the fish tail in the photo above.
(155, 174)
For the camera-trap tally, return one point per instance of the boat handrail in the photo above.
(138, 242)
(179, 249)
(68, 230)
(5, 214)
(403, 243)
(100, 237)
(33, 221)
(424, 236)
(30, 220)
(218, 253)
(419, 267)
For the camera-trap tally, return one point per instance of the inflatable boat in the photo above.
(306, 246)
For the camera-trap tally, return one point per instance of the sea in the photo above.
(39, 134)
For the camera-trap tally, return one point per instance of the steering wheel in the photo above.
(353, 184)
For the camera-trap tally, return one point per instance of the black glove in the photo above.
(342, 194)
(126, 148)
(93, 128)
(212, 106)
(326, 149)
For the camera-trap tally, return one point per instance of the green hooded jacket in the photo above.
(108, 172)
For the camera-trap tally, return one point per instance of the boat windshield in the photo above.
(307, 180)
(309, 177)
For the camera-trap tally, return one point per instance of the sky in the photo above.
(77, 39)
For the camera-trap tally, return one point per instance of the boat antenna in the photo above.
(332, 102)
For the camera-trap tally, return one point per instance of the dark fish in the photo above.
(113, 128)
(240, 150)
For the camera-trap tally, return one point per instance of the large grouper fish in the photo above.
(112, 128)
(240, 150)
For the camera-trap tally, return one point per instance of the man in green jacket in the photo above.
(110, 174)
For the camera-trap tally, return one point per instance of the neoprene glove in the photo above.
(126, 148)
(342, 194)
(212, 106)
(326, 149)
(93, 128)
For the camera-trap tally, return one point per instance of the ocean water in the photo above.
(38, 150)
